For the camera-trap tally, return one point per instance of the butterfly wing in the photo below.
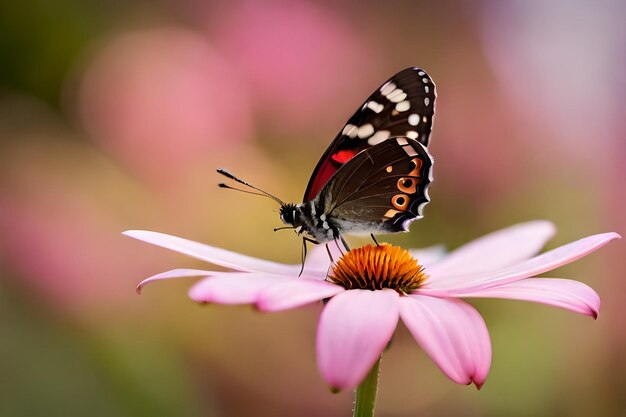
(382, 189)
(403, 106)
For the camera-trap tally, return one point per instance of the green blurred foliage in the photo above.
(42, 40)
(53, 365)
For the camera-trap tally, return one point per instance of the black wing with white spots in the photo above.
(403, 106)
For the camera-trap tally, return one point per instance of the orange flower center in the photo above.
(377, 267)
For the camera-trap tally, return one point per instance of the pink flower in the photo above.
(357, 322)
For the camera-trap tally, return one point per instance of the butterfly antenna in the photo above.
(228, 187)
(240, 181)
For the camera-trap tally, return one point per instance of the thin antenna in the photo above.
(240, 181)
(222, 185)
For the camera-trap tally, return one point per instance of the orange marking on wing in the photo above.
(390, 213)
(400, 201)
(418, 167)
(407, 185)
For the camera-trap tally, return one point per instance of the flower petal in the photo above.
(430, 255)
(564, 293)
(217, 256)
(496, 250)
(547, 261)
(295, 293)
(174, 273)
(232, 287)
(354, 328)
(452, 333)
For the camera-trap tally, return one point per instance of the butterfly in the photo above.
(374, 176)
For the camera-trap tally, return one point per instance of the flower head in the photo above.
(378, 267)
(371, 288)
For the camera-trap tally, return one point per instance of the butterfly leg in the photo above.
(345, 244)
(374, 239)
(304, 252)
(341, 250)
(303, 257)
(330, 255)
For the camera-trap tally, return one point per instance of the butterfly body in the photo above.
(374, 176)
(311, 221)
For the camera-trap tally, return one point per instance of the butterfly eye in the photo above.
(407, 185)
(400, 201)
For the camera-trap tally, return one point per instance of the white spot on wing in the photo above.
(375, 107)
(424, 119)
(396, 97)
(379, 137)
(350, 130)
(412, 134)
(394, 93)
(402, 141)
(427, 89)
(325, 225)
(409, 150)
(323, 217)
(420, 73)
(426, 101)
(414, 119)
(387, 88)
(366, 131)
(425, 80)
(403, 105)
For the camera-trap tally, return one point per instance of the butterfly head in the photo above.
(288, 214)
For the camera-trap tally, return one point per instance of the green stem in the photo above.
(365, 396)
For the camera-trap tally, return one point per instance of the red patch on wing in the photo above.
(322, 176)
(343, 156)
(326, 170)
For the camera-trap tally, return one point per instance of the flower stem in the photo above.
(365, 396)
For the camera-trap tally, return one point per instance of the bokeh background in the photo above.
(115, 114)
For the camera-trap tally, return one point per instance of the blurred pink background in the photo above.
(115, 116)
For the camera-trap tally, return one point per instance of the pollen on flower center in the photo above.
(378, 267)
